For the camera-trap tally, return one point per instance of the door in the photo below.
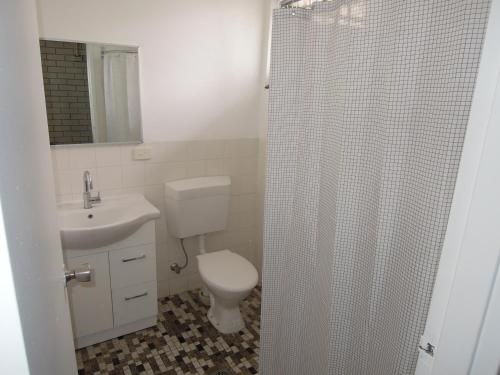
(33, 291)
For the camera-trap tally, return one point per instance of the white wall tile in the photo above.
(241, 148)
(63, 182)
(159, 152)
(178, 285)
(61, 159)
(108, 156)
(195, 150)
(175, 171)
(133, 175)
(154, 174)
(215, 167)
(176, 151)
(82, 157)
(109, 178)
(163, 289)
(195, 168)
(214, 149)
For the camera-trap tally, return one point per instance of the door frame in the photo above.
(471, 249)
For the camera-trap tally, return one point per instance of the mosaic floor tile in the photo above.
(183, 343)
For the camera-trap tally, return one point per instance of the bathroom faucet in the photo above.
(88, 199)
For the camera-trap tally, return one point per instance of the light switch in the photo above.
(142, 153)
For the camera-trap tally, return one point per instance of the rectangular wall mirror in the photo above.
(91, 92)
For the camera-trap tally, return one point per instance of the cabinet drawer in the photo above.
(134, 303)
(132, 266)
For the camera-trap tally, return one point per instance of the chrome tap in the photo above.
(88, 199)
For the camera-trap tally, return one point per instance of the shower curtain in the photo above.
(121, 95)
(369, 102)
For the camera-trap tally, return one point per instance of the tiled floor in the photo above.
(183, 342)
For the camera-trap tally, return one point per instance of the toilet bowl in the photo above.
(229, 278)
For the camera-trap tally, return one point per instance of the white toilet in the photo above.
(198, 206)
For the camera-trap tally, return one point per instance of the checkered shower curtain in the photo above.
(369, 103)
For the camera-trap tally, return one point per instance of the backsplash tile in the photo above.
(115, 172)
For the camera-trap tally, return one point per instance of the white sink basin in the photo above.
(110, 221)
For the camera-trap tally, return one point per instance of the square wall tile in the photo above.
(241, 147)
(82, 157)
(133, 175)
(109, 178)
(215, 167)
(108, 156)
(61, 159)
(214, 149)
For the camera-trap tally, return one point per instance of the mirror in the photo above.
(91, 92)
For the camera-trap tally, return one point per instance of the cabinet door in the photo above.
(91, 306)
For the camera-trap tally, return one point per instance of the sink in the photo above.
(110, 221)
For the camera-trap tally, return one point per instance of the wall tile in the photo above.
(215, 167)
(175, 171)
(163, 289)
(154, 174)
(176, 151)
(159, 152)
(195, 168)
(214, 149)
(109, 178)
(241, 148)
(63, 182)
(61, 159)
(195, 150)
(108, 156)
(82, 157)
(133, 175)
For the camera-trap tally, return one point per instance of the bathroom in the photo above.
(250, 187)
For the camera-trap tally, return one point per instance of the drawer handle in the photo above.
(137, 296)
(125, 260)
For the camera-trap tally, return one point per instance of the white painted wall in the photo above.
(201, 61)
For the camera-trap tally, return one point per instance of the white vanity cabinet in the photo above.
(122, 295)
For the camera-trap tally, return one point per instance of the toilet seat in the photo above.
(227, 271)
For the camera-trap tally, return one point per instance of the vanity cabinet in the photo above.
(122, 296)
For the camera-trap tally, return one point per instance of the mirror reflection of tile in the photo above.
(91, 92)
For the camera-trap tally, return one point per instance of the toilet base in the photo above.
(225, 318)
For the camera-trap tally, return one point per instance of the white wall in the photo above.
(201, 61)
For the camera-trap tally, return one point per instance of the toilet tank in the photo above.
(197, 205)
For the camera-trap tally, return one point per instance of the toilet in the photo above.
(195, 207)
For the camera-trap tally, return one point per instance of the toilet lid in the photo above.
(227, 270)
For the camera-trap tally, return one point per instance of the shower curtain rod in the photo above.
(285, 3)
(289, 3)
(117, 51)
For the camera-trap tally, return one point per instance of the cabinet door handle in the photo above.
(125, 260)
(137, 296)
